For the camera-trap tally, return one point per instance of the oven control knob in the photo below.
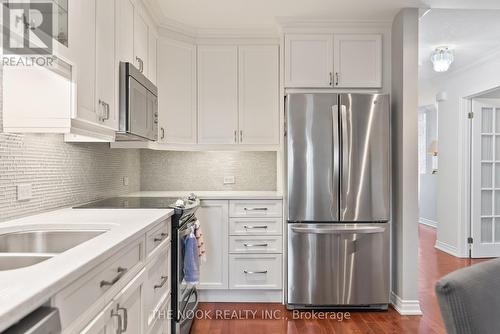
(179, 203)
(192, 197)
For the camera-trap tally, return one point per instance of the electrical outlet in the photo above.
(229, 180)
(125, 180)
(24, 192)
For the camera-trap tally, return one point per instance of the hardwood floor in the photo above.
(274, 318)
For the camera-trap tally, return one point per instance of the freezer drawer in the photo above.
(338, 265)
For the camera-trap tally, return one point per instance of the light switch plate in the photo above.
(24, 192)
(229, 180)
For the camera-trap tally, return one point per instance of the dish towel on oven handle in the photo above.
(198, 232)
(191, 259)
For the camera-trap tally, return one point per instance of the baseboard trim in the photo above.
(428, 222)
(442, 246)
(405, 307)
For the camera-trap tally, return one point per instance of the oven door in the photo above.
(183, 288)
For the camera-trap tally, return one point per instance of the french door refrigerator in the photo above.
(338, 170)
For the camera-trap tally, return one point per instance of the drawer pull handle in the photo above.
(163, 281)
(256, 209)
(254, 227)
(119, 328)
(121, 271)
(255, 245)
(160, 238)
(125, 317)
(255, 272)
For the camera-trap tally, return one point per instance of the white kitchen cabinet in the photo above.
(258, 93)
(152, 55)
(177, 92)
(141, 39)
(124, 31)
(213, 217)
(217, 94)
(255, 271)
(358, 60)
(82, 16)
(106, 322)
(308, 60)
(129, 305)
(105, 103)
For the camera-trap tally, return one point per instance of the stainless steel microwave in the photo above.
(138, 119)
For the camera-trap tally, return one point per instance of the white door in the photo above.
(124, 31)
(217, 94)
(105, 64)
(213, 217)
(486, 179)
(129, 305)
(308, 60)
(141, 39)
(152, 54)
(177, 92)
(83, 22)
(258, 94)
(358, 60)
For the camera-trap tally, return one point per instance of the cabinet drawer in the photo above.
(255, 271)
(113, 273)
(157, 235)
(255, 208)
(255, 226)
(255, 244)
(157, 285)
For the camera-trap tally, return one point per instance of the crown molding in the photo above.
(286, 23)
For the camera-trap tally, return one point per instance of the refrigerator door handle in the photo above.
(336, 153)
(346, 148)
(339, 230)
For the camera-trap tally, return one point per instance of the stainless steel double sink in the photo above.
(26, 248)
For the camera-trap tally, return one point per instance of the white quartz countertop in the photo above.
(212, 194)
(23, 290)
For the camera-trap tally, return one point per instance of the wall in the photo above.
(405, 161)
(452, 187)
(428, 181)
(193, 171)
(61, 174)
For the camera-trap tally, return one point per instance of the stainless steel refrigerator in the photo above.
(338, 170)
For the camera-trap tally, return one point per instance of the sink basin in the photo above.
(44, 241)
(9, 262)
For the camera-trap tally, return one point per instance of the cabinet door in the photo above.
(141, 39)
(308, 60)
(124, 31)
(213, 217)
(258, 94)
(106, 322)
(217, 94)
(129, 305)
(105, 64)
(83, 23)
(177, 87)
(152, 61)
(358, 60)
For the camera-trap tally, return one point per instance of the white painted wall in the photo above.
(452, 187)
(427, 180)
(405, 161)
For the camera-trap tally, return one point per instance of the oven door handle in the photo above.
(195, 292)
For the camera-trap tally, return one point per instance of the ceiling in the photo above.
(263, 13)
(472, 34)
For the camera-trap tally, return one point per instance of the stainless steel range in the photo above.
(184, 297)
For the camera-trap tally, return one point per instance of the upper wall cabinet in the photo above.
(177, 88)
(141, 38)
(217, 94)
(358, 60)
(258, 94)
(329, 61)
(308, 60)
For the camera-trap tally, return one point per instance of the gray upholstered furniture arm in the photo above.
(469, 299)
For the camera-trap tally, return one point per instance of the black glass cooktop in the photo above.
(131, 203)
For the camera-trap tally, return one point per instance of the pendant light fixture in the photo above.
(441, 59)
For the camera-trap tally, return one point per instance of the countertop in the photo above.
(212, 194)
(23, 290)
